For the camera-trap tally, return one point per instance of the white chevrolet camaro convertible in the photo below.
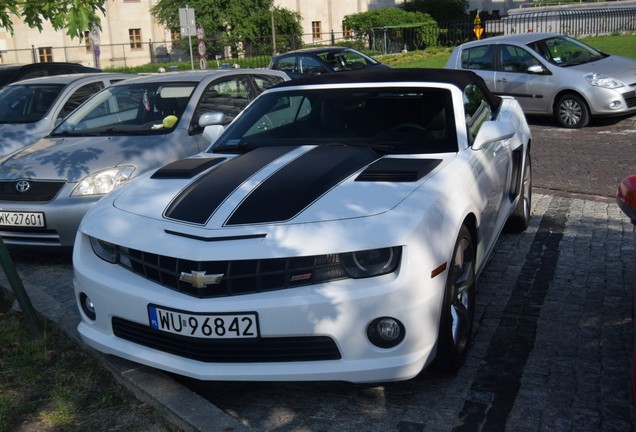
(334, 231)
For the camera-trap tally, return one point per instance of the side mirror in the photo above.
(212, 133)
(626, 197)
(491, 131)
(536, 69)
(211, 118)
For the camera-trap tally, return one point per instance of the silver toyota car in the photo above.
(552, 74)
(122, 132)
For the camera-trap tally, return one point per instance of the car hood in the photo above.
(621, 68)
(18, 135)
(71, 159)
(278, 185)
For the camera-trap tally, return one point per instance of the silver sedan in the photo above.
(552, 74)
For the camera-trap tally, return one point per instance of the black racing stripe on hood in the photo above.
(201, 198)
(398, 170)
(185, 168)
(295, 186)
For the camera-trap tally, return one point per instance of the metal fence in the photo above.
(386, 40)
(573, 22)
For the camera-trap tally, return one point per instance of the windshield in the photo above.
(392, 120)
(27, 103)
(564, 51)
(134, 109)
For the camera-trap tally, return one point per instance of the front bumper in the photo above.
(340, 311)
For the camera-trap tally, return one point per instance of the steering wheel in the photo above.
(404, 127)
(566, 55)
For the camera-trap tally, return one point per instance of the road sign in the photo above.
(187, 21)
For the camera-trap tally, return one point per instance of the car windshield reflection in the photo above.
(27, 103)
(140, 109)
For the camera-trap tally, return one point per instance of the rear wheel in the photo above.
(520, 217)
(458, 308)
(571, 111)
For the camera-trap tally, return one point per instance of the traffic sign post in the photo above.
(186, 22)
(201, 46)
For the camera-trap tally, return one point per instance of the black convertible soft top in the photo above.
(458, 78)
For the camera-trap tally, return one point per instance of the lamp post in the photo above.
(271, 11)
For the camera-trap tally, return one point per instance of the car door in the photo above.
(491, 165)
(481, 60)
(512, 78)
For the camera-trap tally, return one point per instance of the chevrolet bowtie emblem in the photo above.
(199, 279)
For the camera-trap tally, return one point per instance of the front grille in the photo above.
(280, 349)
(38, 191)
(631, 100)
(238, 276)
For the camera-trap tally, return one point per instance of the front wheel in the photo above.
(571, 111)
(458, 307)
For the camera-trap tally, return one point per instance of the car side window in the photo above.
(79, 97)
(287, 64)
(263, 82)
(229, 95)
(309, 66)
(476, 110)
(515, 59)
(478, 58)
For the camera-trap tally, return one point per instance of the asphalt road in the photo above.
(553, 333)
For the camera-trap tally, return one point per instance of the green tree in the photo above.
(441, 10)
(373, 25)
(240, 24)
(75, 16)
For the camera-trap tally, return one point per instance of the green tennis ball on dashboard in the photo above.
(170, 121)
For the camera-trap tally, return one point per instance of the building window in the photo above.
(135, 38)
(46, 54)
(316, 33)
(346, 31)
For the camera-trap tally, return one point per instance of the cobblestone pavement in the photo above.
(553, 336)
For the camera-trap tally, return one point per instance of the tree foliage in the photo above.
(238, 23)
(373, 24)
(441, 10)
(74, 16)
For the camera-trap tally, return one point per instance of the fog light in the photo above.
(385, 332)
(615, 104)
(87, 307)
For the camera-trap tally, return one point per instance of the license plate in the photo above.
(22, 219)
(243, 325)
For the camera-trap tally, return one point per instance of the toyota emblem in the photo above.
(22, 186)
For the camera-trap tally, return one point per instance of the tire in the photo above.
(571, 111)
(458, 307)
(520, 217)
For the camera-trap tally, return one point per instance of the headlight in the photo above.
(369, 263)
(105, 250)
(600, 80)
(103, 182)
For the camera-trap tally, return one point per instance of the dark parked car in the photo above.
(15, 72)
(316, 61)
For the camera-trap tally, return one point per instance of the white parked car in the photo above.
(334, 231)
